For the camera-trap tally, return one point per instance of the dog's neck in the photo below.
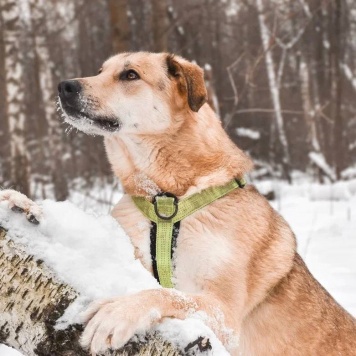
(194, 154)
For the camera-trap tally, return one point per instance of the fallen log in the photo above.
(35, 293)
(32, 299)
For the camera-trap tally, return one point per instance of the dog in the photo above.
(235, 260)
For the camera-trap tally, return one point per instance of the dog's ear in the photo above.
(190, 78)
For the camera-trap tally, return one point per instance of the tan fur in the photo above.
(236, 259)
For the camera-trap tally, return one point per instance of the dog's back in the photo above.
(299, 317)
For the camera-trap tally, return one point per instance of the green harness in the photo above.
(165, 213)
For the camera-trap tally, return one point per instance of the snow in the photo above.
(349, 74)
(323, 218)
(349, 173)
(181, 30)
(246, 132)
(232, 9)
(326, 44)
(95, 256)
(8, 351)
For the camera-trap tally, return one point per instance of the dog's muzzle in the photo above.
(75, 105)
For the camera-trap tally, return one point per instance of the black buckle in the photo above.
(175, 202)
(239, 183)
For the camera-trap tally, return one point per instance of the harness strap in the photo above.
(165, 212)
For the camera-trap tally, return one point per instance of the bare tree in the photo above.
(213, 100)
(273, 86)
(45, 67)
(12, 32)
(4, 149)
(336, 58)
(120, 27)
(159, 25)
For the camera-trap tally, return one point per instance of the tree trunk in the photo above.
(33, 298)
(45, 65)
(336, 48)
(213, 100)
(310, 119)
(4, 144)
(120, 26)
(273, 87)
(12, 29)
(309, 112)
(159, 25)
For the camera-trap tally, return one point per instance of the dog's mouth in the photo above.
(85, 121)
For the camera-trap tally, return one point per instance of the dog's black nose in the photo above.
(69, 89)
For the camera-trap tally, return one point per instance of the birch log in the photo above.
(32, 298)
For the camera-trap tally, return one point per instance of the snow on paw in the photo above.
(19, 203)
(113, 323)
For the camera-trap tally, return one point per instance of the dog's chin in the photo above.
(91, 124)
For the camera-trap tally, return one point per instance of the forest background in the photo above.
(280, 75)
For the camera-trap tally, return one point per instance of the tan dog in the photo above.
(236, 258)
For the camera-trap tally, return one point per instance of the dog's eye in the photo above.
(100, 70)
(129, 75)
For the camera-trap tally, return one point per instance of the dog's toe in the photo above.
(17, 209)
(20, 203)
(32, 219)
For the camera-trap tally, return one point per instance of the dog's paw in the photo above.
(19, 203)
(112, 323)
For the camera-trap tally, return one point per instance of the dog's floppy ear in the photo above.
(190, 78)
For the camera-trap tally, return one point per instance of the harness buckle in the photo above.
(175, 202)
(240, 182)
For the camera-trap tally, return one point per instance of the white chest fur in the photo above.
(200, 252)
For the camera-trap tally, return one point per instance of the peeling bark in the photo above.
(45, 76)
(12, 24)
(33, 298)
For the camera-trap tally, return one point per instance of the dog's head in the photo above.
(133, 93)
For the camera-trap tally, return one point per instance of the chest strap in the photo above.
(165, 213)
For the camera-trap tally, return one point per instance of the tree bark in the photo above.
(45, 78)
(12, 29)
(336, 59)
(159, 25)
(33, 298)
(4, 145)
(310, 118)
(273, 87)
(213, 100)
(120, 26)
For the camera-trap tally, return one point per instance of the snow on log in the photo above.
(32, 299)
(49, 274)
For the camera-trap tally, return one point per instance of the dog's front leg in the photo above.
(111, 323)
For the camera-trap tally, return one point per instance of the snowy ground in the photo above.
(326, 234)
(324, 221)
